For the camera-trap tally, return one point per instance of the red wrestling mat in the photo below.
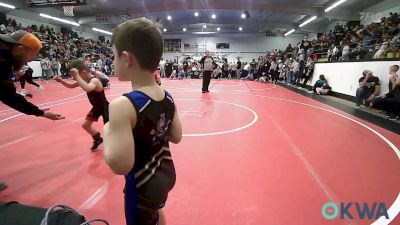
(252, 154)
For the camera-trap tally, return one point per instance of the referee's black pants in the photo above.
(206, 80)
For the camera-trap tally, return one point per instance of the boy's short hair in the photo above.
(141, 37)
(78, 64)
(396, 67)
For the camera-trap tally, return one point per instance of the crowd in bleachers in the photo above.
(380, 40)
(62, 47)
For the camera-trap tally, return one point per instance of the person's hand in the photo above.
(52, 116)
(370, 98)
(74, 73)
(57, 78)
(369, 75)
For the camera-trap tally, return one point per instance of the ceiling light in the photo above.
(204, 26)
(334, 5)
(102, 31)
(308, 21)
(240, 28)
(218, 29)
(169, 18)
(213, 16)
(184, 29)
(245, 15)
(196, 14)
(165, 29)
(7, 5)
(289, 32)
(58, 19)
(204, 32)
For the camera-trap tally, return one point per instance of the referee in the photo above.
(16, 49)
(207, 63)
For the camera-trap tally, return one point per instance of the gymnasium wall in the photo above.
(247, 45)
(377, 11)
(343, 76)
(28, 22)
(37, 69)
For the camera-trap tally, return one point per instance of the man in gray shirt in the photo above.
(207, 63)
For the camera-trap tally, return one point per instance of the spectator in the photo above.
(162, 67)
(168, 68)
(305, 45)
(283, 70)
(238, 69)
(296, 67)
(225, 69)
(99, 63)
(181, 72)
(345, 50)
(336, 53)
(324, 90)
(217, 72)
(46, 68)
(175, 66)
(10, 28)
(389, 100)
(253, 66)
(309, 70)
(393, 77)
(289, 50)
(185, 65)
(232, 70)
(3, 29)
(382, 49)
(290, 71)
(302, 68)
(330, 53)
(273, 71)
(63, 68)
(320, 83)
(368, 90)
(55, 65)
(246, 70)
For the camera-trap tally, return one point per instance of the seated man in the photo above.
(368, 90)
(217, 73)
(181, 73)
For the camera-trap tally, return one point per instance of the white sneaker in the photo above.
(357, 106)
(40, 88)
(22, 93)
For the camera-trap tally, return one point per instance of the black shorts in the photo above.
(143, 213)
(94, 114)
